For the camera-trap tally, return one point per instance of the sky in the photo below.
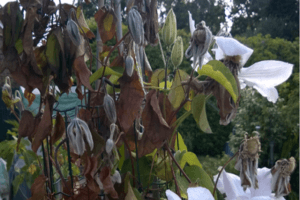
(227, 11)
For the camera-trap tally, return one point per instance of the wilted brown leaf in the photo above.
(106, 22)
(151, 25)
(45, 126)
(131, 98)
(27, 30)
(82, 23)
(118, 62)
(89, 172)
(107, 184)
(29, 96)
(59, 128)
(26, 126)
(157, 130)
(30, 3)
(85, 115)
(38, 189)
(82, 72)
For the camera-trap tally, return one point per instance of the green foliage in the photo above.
(199, 112)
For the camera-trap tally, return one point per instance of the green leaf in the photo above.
(114, 80)
(137, 194)
(158, 76)
(182, 183)
(178, 157)
(177, 95)
(130, 194)
(218, 71)
(181, 143)
(122, 156)
(19, 46)
(17, 182)
(195, 172)
(199, 113)
(98, 73)
(191, 159)
(52, 51)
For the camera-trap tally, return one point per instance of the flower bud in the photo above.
(109, 145)
(253, 145)
(169, 33)
(109, 108)
(135, 25)
(177, 52)
(129, 65)
(73, 30)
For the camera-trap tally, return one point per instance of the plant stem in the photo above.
(228, 161)
(161, 50)
(171, 155)
(174, 177)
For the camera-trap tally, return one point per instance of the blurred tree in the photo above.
(275, 17)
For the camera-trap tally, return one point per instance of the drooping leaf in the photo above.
(177, 93)
(59, 128)
(26, 126)
(219, 72)
(29, 96)
(89, 172)
(98, 74)
(82, 23)
(195, 172)
(45, 126)
(130, 101)
(106, 22)
(188, 105)
(82, 72)
(53, 52)
(99, 143)
(158, 76)
(31, 14)
(107, 184)
(199, 113)
(38, 189)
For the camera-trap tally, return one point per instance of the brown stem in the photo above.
(13, 112)
(131, 159)
(171, 155)
(174, 177)
(228, 161)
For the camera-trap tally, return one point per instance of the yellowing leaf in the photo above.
(98, 73)
(188, 105)
(130, 194)
(158, 76)
(162, 84)
(29, 96)
(191, 159)
(108, 22)
(32, 169)
(180, 143)
(218, 71)
(82, 23)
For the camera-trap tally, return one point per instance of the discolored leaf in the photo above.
(130, 194)
(85, 115)
(106, 22)
(26, 126)
(199, 113)
(28, 26)
(191, 159)
(45, 126)
(89, 172)
(29, 96)
(59, 128)
(130, 100)
(188, 105)
(219, 72)
(38, 189)
(82, 72)
(177, 93)
(107, 184)
(99, 143)
(82, 23)
(39, 54)
(151, 25)
(53, 49)
(158, 76)
(180, 143)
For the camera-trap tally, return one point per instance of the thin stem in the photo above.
(161, 50)
(174, 177)
(166, 71)
(228, 161)
(171, 155)
(14, 113)
(131, 159)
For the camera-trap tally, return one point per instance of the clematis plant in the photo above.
(194, 193)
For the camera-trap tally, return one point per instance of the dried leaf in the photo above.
(107, 184)
(151, 25)
(89, 173)
(131, 98)
(130, 194)
(106, 22)
(82, 23)
(26, 126)
(28, 28)
(85, 115)
(29, 96)
(45, 126)
(99, 143)
(38, 189)
(59, 128)
(82, 72)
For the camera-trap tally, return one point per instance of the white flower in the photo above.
(230, 184)
(194, 193)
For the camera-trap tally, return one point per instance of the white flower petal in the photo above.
(264, 178)
(270, 93)
(191, 23)
(232, 47)
(219, 54)
(269, 73)
(171, 195)
(232, 186)
(196, 193)
(261, 198)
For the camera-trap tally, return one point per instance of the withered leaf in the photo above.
(59, 128)
(118, 62)
(27, 30)
(38, 189)
(29, 96)
(107, 184)
(82, 23)
(151, 25)
(85, 115)
(45, 126)
(89, 172)
(30, 3)
(40, 28)
(26, 126)
(82, 72)
(99, 143)
(106, 21)
(131, 98)
(156, 128)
